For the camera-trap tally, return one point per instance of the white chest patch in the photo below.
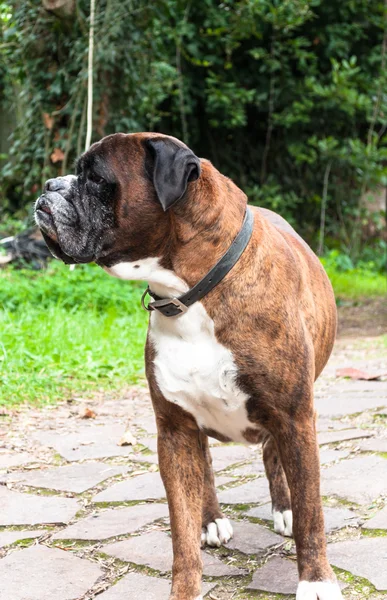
(196, 372)
(192, 369)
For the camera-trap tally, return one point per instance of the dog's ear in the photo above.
(174, 167)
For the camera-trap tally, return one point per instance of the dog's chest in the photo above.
(198, 373)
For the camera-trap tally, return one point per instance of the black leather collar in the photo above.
(172, 307)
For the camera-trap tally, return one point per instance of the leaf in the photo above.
(86, 413)
(357, 374)
(57, 155)
(127, 439)
(48, 121)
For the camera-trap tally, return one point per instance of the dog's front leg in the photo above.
(297, 443)
(181, 464)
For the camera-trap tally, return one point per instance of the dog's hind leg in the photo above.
(216, 529)
(296, 438)
(279, 489)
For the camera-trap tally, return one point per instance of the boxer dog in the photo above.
(238, 364)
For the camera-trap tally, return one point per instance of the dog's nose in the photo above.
(55, 185)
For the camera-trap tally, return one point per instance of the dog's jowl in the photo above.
(242, 321)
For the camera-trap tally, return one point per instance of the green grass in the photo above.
(350, 282)
(357, 283)
(66, 333)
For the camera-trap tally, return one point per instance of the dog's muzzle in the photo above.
(57, 218)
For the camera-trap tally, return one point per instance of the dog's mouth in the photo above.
(57, 251)
(45, 221)
(44, 217)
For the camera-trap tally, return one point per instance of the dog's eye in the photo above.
(96, 178)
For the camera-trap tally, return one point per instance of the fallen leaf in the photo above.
(357, 374)
(127, 439)
(86, 413)
(57, 155)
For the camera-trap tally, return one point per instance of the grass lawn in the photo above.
(356, 284)
(65, 333)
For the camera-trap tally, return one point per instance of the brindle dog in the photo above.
(238, 365)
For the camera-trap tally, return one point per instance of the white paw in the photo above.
(318, 590)
(217, 532)
(283, 522)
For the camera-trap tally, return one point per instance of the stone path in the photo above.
(84, 517)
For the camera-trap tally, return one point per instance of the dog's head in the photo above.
(116, 206)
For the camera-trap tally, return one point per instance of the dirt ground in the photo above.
(366, 318)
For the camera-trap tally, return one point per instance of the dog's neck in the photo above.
(204, 226)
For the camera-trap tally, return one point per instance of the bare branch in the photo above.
(90, 77)
(323, 208)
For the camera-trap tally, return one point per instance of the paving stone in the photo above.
(335, 518)
(7, 461)
(374, 445)
(329, 437)
(89, 442)
(142, 487)
(141, 587)
(261, 512)
(326, 424)
(145, 458)
(148, 424)
(115, 408)
(254, 468)
(252, 492)
(150, 443)
(251, 538)
(154, 550)
(9, 537)
(361, 479)
(27, 509)
(45, 573)
(214, 567)
(361, 385)
(222, 480)
(71, 478)
(227, 455)
(105, 524)
(329, 455)
(349, 403)
(278, 575)
(366, 557)
(379, 521)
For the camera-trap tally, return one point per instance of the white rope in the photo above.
(90, 77)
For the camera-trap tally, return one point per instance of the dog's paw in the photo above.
(217, 532)
(283, 522)
(318, 590)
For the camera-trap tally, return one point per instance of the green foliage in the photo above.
(277, 93)
(350, 282)
(87, 287)
(68, 333)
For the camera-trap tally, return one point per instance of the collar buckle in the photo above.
(164, 305)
